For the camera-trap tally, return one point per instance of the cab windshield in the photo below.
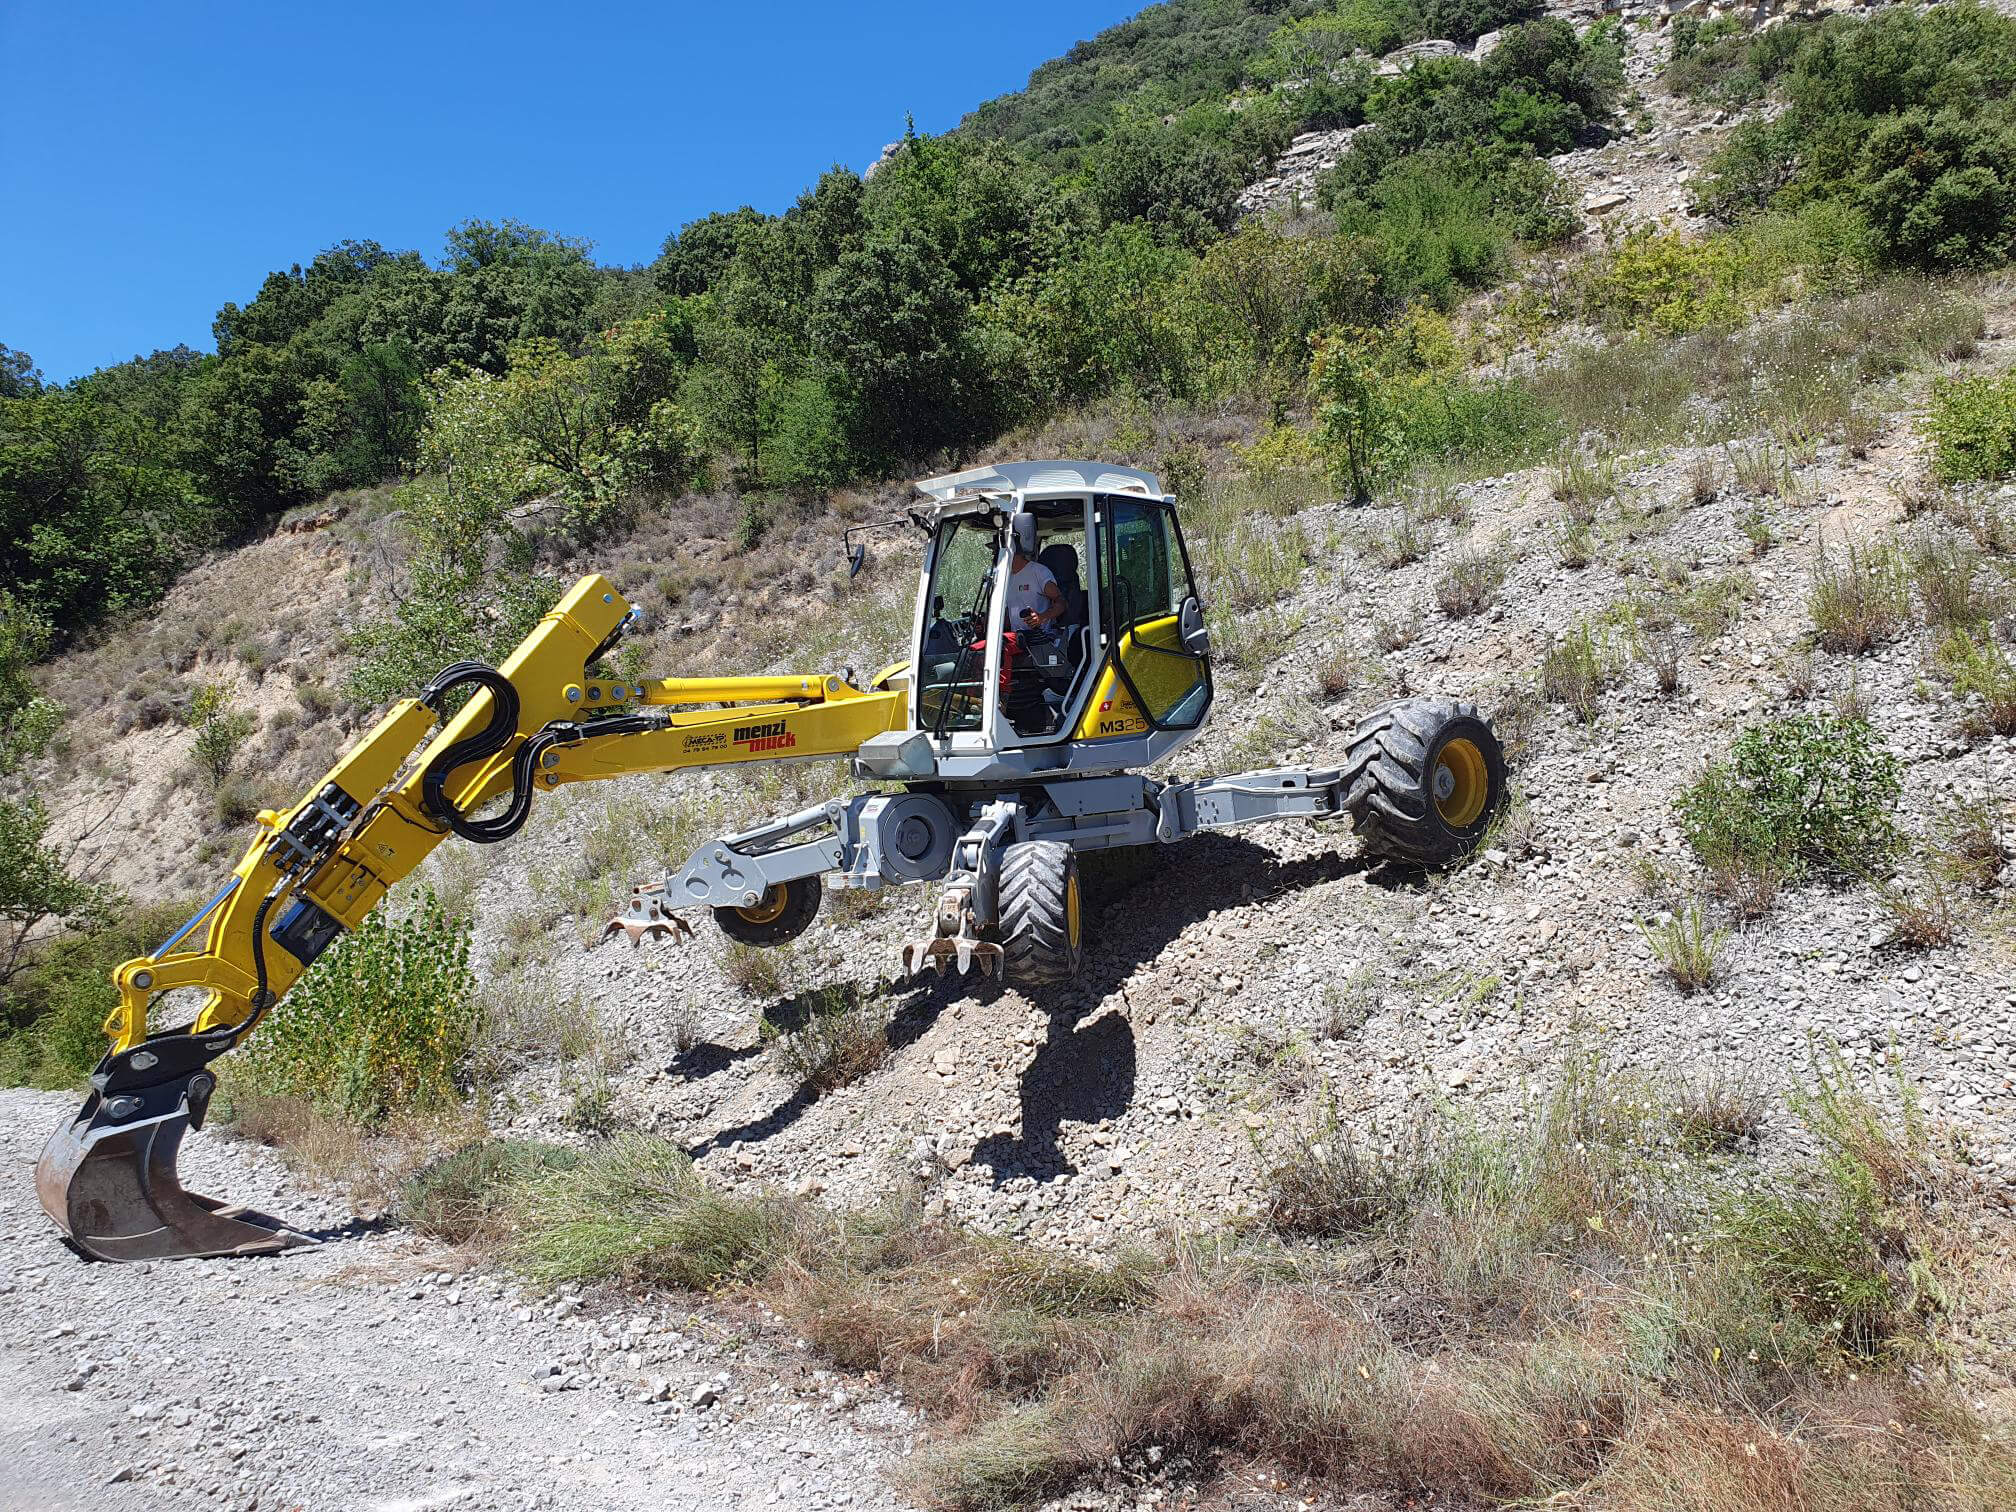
(952, 660)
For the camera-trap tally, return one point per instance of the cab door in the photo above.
(1158, 671)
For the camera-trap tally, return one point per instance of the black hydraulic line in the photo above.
(494, 737)
(486, 742)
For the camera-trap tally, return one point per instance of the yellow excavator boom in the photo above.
(538, 721)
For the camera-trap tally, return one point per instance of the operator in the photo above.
(1034, 599)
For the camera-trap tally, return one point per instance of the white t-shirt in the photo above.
(1026, 591)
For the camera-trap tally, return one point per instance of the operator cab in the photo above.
(1122, 661)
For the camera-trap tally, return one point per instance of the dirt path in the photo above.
(373, 1373)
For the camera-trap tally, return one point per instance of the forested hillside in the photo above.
(1065, 243)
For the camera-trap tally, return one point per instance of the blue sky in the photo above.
(162, 158)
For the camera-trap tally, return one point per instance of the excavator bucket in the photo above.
(108, 1176)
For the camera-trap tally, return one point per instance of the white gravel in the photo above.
(374, 1374)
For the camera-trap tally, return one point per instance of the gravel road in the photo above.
(374, 1372)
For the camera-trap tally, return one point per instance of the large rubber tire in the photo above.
(1423, 780)
(1042, 929)
(773, 919)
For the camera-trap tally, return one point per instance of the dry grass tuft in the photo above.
(829, 1037)
(1860, 598)
(1470, 584)
(1920, 918)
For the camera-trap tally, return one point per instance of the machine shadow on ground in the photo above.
(1084, 1071)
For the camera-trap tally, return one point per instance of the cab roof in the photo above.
(1039, 479)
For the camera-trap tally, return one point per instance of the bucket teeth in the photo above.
(645, 916)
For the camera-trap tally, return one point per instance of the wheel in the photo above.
(1042, 933)
(781, 914)
(1423, 779)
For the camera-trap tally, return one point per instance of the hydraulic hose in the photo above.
(492, 738)
(484, 743)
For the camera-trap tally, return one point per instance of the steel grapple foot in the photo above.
(645, 916)
(964, 953)
(108, 1177)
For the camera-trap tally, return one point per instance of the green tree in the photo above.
(36, 886)
(19, 377)
(1186, 187)
(892, 326)
(95, 515)
(470, 589)
(695, 257)
(221, 731)
(1359, 423)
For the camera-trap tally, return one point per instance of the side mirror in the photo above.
(857, 553)
(1190, 625)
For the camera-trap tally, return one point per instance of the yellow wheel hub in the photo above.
(768, 908)
(1462, 783)
(1071, 925)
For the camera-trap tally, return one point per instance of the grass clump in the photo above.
(1982, 673)
(1922, 918)
(1659, 649)
(1582, 484)
(1577, 669)
(634, 1209)
(1404, 540)
(1967, 847)
(382, 1023)
(1328, 1186)
(837, 1035)
(760, 971)
(1808, 793)
(466, 1197)
(1859, 599)
(1338, 672)
(1951, 584)
(1717, 1111)
(1469, 585)
(1687, 947)
(1574, 543)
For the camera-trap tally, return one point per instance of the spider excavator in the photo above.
(1005, 748)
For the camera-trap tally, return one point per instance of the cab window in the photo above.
(1146, 582)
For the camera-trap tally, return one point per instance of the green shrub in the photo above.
(1972, 423)
(380, 1024)
(1845, 1249)
(221, 731)
(53, 1012)
(1904, 118)
(1810, 793)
